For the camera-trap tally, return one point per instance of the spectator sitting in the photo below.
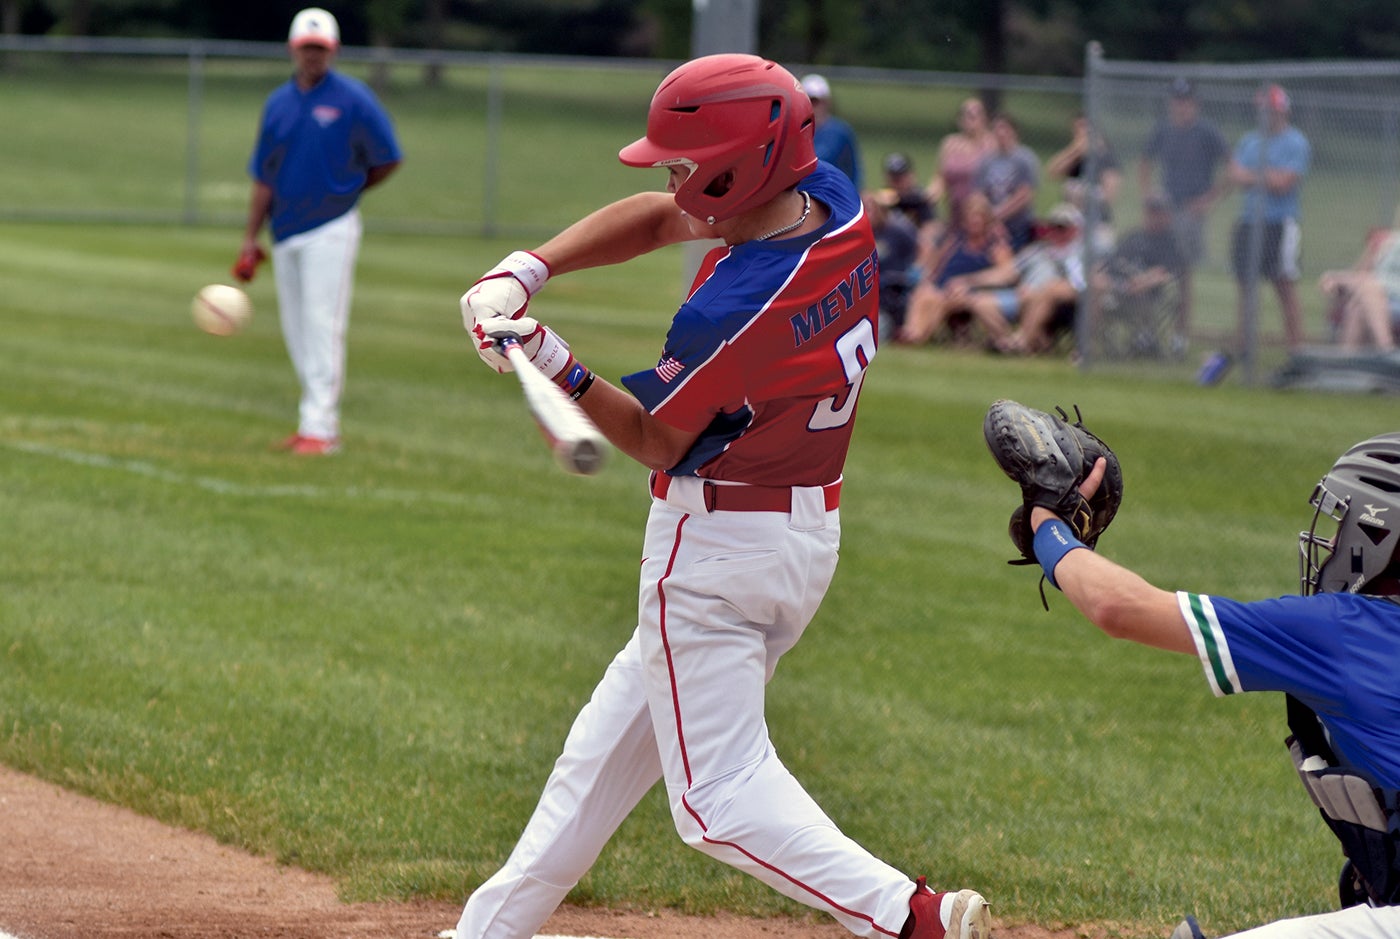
(1070, 165)
(1367, 296)
(903, 192)
(897, 248)
(833, 138)
(1052, 280)
(1146, 262)
(971, 254)
(1009, 177)
(959, 155)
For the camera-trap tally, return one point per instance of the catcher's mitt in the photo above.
(1050, 457)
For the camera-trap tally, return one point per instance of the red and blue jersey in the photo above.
(315, 149)
(766, 356)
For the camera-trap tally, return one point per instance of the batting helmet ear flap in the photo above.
(728, 114)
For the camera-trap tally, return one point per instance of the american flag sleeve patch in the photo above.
(668, 368)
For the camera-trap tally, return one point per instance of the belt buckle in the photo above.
(708, 493)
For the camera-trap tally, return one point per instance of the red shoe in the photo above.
(287, 444)
(316, 446)
(957, 914)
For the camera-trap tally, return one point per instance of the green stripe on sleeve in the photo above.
(1211, 642)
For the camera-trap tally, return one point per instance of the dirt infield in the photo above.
(74, 867)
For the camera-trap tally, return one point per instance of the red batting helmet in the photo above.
(728, 113)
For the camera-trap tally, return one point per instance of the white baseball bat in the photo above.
(577, 444)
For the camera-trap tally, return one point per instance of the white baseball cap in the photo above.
(1065, 215)
(314, 26)
(816, 87)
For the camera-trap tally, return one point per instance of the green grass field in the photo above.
(365, 665)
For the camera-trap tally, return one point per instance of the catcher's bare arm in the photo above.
(1113, 598)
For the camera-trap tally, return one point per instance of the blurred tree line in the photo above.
(1012, 36)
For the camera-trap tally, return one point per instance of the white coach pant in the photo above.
(722, 597)
(315, 273)
(1356, 922)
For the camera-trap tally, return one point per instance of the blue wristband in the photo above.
(1053, 540)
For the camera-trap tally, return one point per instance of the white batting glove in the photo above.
(505, 290)
(546, 350)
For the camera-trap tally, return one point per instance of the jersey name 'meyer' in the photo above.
(820, 315)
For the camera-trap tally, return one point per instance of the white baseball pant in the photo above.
(1356, 922)
(315, 273)
(723, 596)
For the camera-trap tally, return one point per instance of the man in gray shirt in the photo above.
(1009, 176)
(1190, 151)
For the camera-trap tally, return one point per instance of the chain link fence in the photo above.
(160, 130)
(1350, 115)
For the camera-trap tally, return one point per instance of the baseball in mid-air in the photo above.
(221, 309)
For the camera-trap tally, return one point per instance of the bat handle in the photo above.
(505, 343)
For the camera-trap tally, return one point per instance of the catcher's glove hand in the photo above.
(1050, 458)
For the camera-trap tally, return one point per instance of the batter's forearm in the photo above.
(615, 233)
(629, 427)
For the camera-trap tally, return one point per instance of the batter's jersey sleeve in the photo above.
(1337, 653)
(765, 358)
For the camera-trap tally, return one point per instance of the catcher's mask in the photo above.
(742, 123)
(1361, 495)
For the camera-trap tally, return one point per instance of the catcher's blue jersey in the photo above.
(1338, 653)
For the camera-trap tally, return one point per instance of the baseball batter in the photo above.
(323, 141)
(745, 421)
(1334, 651)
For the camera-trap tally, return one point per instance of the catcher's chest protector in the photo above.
(1365, 818)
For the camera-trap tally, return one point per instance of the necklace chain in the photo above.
(806, 210)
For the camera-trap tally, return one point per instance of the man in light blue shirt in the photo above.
(1269, 165)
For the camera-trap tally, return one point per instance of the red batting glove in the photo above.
(247, 264)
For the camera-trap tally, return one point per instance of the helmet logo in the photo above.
(1369, 516)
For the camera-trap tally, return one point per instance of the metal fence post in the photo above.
(495, 98)
(194, 113)
(1093, 210)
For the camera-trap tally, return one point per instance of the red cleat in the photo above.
(316, 446)
(956, 914)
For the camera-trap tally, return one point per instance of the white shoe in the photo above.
(954, 914)
(968, 918)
